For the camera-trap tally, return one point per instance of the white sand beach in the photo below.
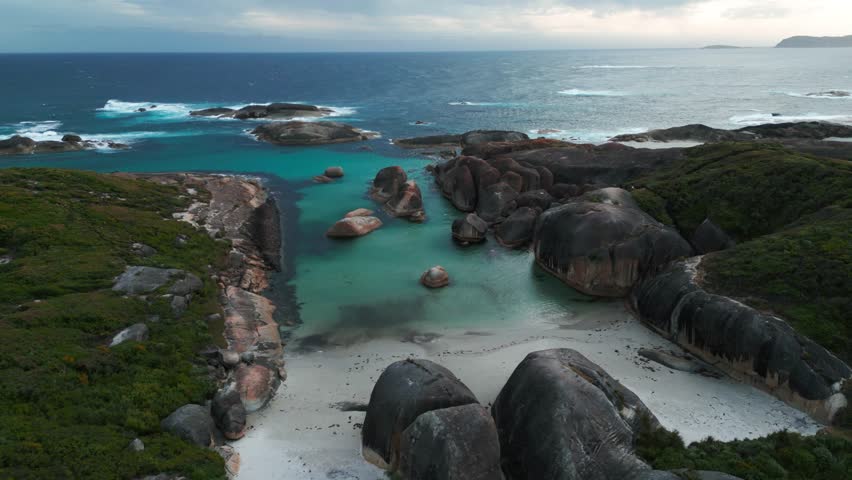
(302, 435)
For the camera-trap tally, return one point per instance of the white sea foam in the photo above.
(118, 108)
(762, 118)
(618, 67)
(180, 111)
(824, 95)
(576, 92)
(580, 136)
(48, 130)
(482, 104)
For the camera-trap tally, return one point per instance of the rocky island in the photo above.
(816, 42)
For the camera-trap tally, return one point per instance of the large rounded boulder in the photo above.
(356, 226)
(387, 183)
(517, 230)
(407, 203)
(456, 443)
(194, 424)
(229, 413)
(404, 391)
(604, 249)
(496, 201)
(469, 229)
(561, 417)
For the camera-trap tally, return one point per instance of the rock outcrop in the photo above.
(562, 417)
(456, 443)
(399, 196)
(404, 391)
(273, 111)
(745, 343)
(18, 145)
(135, 333)
(770, 131)
(601, 248)
(472, 138)
(297, 133)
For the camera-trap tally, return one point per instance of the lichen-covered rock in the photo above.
(604, 249)
(404, 391)
(469, 229)
(194, 424)
(747, 344)
(561, 417)
(456, 443)
(517, 229)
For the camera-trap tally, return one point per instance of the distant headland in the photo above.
(816, 42)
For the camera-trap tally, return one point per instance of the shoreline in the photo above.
(304, 434)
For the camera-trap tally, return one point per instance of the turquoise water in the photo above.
(349, 290)
(352, 290)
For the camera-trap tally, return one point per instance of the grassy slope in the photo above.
(70, 405)
(792, 216)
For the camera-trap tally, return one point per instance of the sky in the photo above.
(408, 25)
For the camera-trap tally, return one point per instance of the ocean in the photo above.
(348, 291)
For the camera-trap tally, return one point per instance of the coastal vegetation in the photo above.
(791, 215)
(779, 456)
(72, 404)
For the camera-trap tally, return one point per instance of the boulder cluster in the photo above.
(559, 417)
(272, 111)
(19, 145)
(399, 196)
(571, 203)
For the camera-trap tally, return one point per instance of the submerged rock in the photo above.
(404, 391)
(561, 417)
(456, 443)
(353, 227)
(435, 277)
(308, 133)
(603, 249)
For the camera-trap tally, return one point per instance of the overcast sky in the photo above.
(408, 25)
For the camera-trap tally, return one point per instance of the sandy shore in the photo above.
(302, 435)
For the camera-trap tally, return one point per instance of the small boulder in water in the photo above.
(334, 172)
(435, 277)
(70, 138)
(387, 183)
(353, 227)
(142, 110)
(407, 203)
